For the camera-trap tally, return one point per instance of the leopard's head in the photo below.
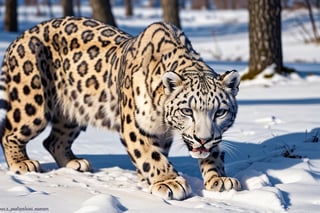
(200, 105)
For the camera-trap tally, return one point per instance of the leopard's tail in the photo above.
(3, 97)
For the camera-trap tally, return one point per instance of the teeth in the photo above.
(199, 154)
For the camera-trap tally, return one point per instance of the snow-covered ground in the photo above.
(273, 148)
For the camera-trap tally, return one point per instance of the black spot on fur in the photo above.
(38, 99)
(26, 90)
(25, 130)
(17, 78)
(35, 82)
(133, 136)
(79, 86)
(90, 23)
(141, 142)
(108, 32)
(130, 103)
(137, 153)
(17, 115)
(81, 110)
(56, 23)
(46, 33)
(27, 67)
(138, 90)
(106, 122)
(64, 44)
(74, 44)
(71, 28)
(55, 42)
(34, 29)
(74, 95)
(100, 114)
(82, 68)
(71, 78)
(37, 121)
(119, 39)
(21, 51)
(129, 120)
(103, 43)
(57, 64)
(77, 56)
(87, 36)
(98, 65)
(93, 51)
(34, 44)
(13, 63)
(156, 156)
(30, 109)
(87, 100)
(14, 94)
(66, 65)
(103, 96)
(92, 81)
(146, 167)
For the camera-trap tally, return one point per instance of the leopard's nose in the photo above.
(202, 140)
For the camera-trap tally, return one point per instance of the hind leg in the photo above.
(59, 144)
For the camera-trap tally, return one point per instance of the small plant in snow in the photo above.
(289, 152)
(312, 138)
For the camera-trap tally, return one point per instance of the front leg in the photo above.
(152, 165)
(213, 174)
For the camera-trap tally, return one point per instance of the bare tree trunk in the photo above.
(128, 6)
(170, 9)
(38, 13)
(11, 16)
(152, 3)
(264, 37)
(78, 5)
(314, 27)
(200, 4)
(221, 4)
(67, 7)
(101, 10)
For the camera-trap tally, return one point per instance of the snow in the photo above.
(273, 147)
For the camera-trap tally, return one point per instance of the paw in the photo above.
(80, 164)
(25, 166)
(220, 184)
(172, 189)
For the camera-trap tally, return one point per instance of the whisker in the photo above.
(230, 149)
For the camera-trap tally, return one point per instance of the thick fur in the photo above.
(74, 72)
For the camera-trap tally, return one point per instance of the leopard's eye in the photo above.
(186, 111)
(221, 112)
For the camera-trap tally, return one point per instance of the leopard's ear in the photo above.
(231, 81)
(171, 81)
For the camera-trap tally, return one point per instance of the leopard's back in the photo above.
(74, 63)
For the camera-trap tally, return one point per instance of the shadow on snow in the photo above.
(289, 149)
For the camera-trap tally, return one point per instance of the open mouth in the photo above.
(200, 149)
(199, 152)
